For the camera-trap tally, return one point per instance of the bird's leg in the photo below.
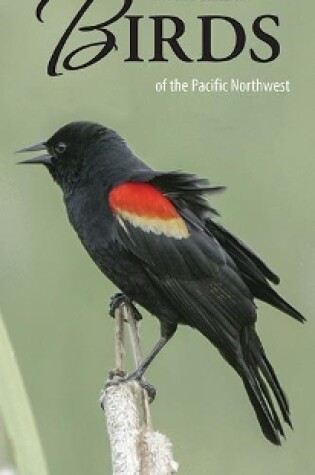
(167, 331)
(121, 299)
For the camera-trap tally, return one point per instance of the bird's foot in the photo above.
(121, 299)
(116, 373)
(114, 377)
(115, 302)
(135, 376)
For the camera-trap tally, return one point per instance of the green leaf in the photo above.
(16, 412)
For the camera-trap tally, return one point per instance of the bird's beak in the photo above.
(43, 159)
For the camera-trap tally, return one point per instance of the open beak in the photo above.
(43, 159)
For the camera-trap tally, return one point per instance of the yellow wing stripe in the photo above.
(174, 228)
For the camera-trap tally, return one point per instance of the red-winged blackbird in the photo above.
(153, 235)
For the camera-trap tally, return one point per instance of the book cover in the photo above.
(223, 89)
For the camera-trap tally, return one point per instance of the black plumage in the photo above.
(196, 273)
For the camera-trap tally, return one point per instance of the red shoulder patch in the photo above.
(142, 199)
(146, 207)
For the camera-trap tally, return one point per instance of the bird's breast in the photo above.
(94, 224)
(90, 217)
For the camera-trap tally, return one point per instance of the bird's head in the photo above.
(76, 151)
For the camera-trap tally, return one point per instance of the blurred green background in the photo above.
(54, 299)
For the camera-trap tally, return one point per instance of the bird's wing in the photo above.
(248, 262)
(185, 262)
(185, 190)
(187, 193)
(253, 270)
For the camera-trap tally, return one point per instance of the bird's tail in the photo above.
(259, 377)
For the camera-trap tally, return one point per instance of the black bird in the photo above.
(153, 235)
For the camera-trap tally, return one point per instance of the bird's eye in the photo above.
(60, 147)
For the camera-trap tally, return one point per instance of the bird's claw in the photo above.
(115, 302)
(116, 373)
(149, 388)
(121, 299)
